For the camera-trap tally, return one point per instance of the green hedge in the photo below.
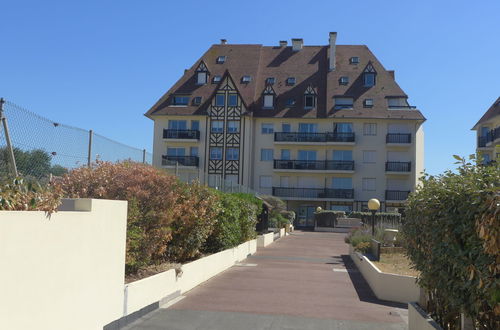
(452, 237)
(327, 218)
(366, 217)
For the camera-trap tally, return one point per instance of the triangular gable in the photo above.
(310, 90)
(369, 68)
(269, 90)
(202, 67)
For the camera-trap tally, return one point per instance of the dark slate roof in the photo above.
(493, 111)
(310, 68)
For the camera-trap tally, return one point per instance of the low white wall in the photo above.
(153, 289)
(65, 271)
(282, 232)
(265, 239)
(419, 320)
(391, 287)
(348, 222)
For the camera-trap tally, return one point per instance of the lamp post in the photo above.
(373, 205)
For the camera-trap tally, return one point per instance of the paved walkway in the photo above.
(303, 281)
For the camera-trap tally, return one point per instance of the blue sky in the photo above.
(101, 64)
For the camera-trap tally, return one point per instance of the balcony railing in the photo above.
(313, 137)
(396, 195)
(398, 166)
(493, 134)
(331, 165)
(398, 138)
(181, 160)
(481, 141)
(313, 193)
(181, 134)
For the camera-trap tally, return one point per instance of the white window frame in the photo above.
(231, 152)
(212, 153)
(268, 152)
(370, 129)
(268, 101)
(219, 128)
(233, 126)
(201, 78)
(267, 128)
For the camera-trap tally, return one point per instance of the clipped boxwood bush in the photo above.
(327, 218)
(380, 217)
(452, 232)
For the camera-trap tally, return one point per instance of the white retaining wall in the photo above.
(391, 287)
(419, 320)
(65, 271)
(265, 239)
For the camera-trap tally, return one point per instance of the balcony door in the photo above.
(177, 124)
(308, 128)
(306, 216)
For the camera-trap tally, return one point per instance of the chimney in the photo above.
(392, 74)
(283, 43)
(333, 39)
(297, 44)
(223, 41)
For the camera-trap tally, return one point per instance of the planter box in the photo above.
(418, 319)
(386, 286)
(265, 240)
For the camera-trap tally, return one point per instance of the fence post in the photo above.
(7, 139)
(144, 156)
(89, 158)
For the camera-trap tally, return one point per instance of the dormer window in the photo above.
(344, 80)
(246, 79)
(354, 60)
(221, 59)
(369, 76)
(180, 100)
(269, 97)
(397, 102)
(343, 102)
(368, 103)
(216, 79)
(309, 98)
(201, 74)
(290, 102)
(290, 81)
(270, 81)
(197, 100)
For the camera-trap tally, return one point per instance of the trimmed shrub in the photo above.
(452, 238)
(19, 195)
(327, 218)
(383, 219)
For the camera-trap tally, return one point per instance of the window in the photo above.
(309, 101)
(267, 128)
(217, 126)
(265, 181)
(397, 102)
(342, 183)
(342, 154)
(221, 59)
(216, 153)
(233, 100)
(343, 103)
(270, 81)
(193, 151)
(202, 78)
(176, 151)
(290, 102)
(269, 101)
(369, 129)
(197, 100)
(233, 126)
(306, 155)
(232, 179)
(214, 180)
(246, 79)
(369, 79)
(216, 79)
(354, 60)
(266, 155)
(177, 124)
(368, 103)
(308, 128)
(369, 156)
(195, 125)
(180, 100)
(368, 184)
(342, 128)
(285, 127)
(344, 80)
(285, 154)
(232, 154)
(290, 81)
(220, 100)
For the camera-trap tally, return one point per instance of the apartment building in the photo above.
(488, 133)
(314, 125)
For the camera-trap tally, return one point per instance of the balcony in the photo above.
(398, 138)
(180, 160)
(396, 195)
(313, 193)
(481, 141)
(398, 166)
(315, 165)
(181, 134)
(313, 137)
(493, 135)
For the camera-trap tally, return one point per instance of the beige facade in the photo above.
(488, 134)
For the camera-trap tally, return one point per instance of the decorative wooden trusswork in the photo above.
(202, 67)
(269, 90)
(310, 91)
(226, 106)
(369, 68)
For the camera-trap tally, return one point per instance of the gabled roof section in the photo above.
(202, 67)
(492, 112)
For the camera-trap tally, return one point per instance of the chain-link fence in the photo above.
(41, 147)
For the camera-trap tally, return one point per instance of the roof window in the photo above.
(354, 60)
(197, 100)
(221, 59)
(290, 81)
(246, 79)
(368, 103)
(216, 79)
(270, 81)
(180, 100)
(344, 80)
(290, 102)
(343, 102)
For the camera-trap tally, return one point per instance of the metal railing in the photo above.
(398, 138)
(313, 192)
(493, 134)
(396, 195)
(181, 160)
(398, 166)
(181, 134)
(331, 165)
(313, 137)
